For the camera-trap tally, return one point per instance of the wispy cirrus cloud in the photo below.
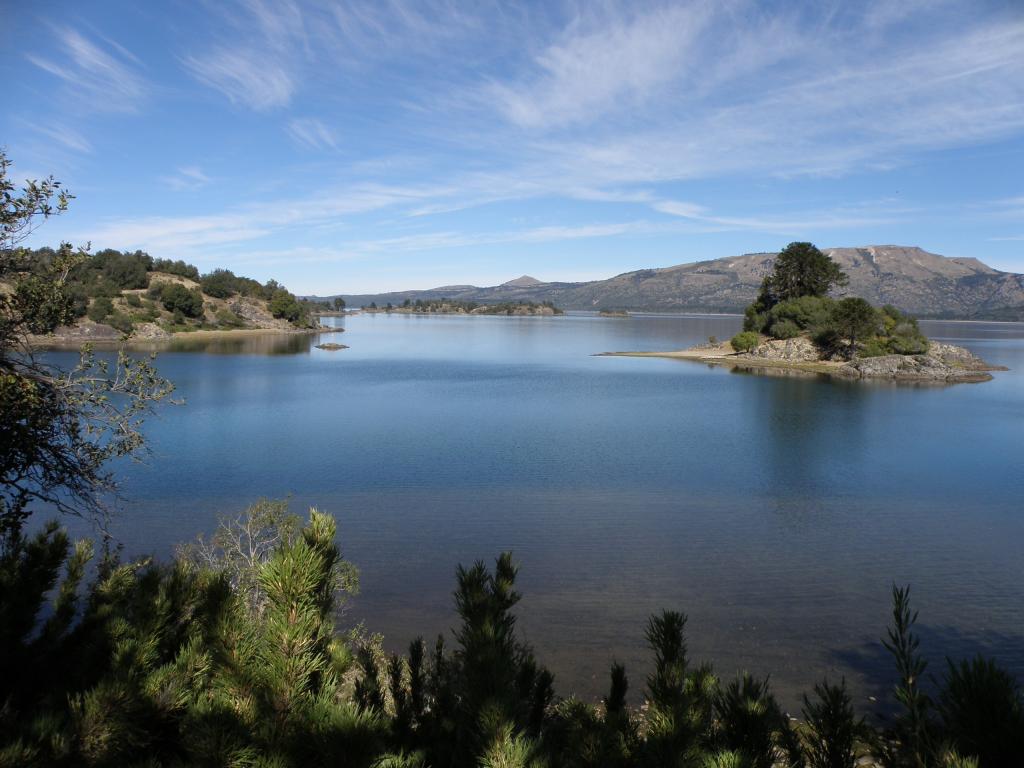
(187, 178)
(837, 218)
(312, 133)
(65, 136)
(245, 76)
(256, 63)
(99, 75)
(600, 65)
(704, 90)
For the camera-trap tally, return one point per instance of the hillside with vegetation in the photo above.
(909, 278)
(117, 293)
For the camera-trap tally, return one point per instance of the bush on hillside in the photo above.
(178, 298)
(220, 284)
(100, 308)
(745, 341)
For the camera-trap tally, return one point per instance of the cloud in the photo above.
(256, 62)
(311, 133)
(244, 76)
(187, 178)
(100, 76)
(841, 218)
(599, 66)
(710, 90)
(325, 208)
(67, 137)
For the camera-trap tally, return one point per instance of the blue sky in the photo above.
(356, 147)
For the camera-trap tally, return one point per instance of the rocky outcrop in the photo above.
(254, 314)
(958, 357)
(150, 332)
(909, 368)
(943, 363)
(84, 331)
(797, 350)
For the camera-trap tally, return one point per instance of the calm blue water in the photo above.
(775, 511)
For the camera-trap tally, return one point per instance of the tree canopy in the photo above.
(802, 270)
(58, 428)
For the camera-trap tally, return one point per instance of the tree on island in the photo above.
(794, 302)
(339, 303)
(855, 320)
(801, 270)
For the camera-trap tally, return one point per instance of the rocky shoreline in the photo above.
(942, 364)
(89, 332)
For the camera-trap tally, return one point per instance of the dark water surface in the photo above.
(775, 511)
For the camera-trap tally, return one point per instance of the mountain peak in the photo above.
(522, 282)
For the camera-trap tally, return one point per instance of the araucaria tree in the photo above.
(58, 429)
(801, 270)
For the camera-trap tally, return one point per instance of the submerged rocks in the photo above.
(331, 346)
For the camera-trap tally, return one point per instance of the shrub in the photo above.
(133, 300)
(745, 341)
(832, 727)
(179, 268)
(784, 329)
(909, 344)
(125, 270)
(121, 322)
(982, 712)
(283, 304)
(79, 297)
(805, 312)
(875, 347)
(178, 298)
(229, 319)
(220, 284)
(100, 308)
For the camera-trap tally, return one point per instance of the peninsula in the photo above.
(795, 325)
(117, 295)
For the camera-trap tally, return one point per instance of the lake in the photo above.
(775, 511)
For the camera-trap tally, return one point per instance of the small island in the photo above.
(455, 307)
(794, 325)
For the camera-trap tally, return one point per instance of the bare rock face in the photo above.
(958, 357)
(257, 315)
(797, 350)
(909, 368)
(150, 331)
(86, 330)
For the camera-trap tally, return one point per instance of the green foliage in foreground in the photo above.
(229, 656)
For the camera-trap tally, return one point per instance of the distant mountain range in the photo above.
(922, 283)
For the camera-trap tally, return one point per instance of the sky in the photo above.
(355, 147)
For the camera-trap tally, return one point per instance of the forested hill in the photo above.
(916, 281)
(115, 293)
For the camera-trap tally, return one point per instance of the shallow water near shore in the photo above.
(776, 511)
